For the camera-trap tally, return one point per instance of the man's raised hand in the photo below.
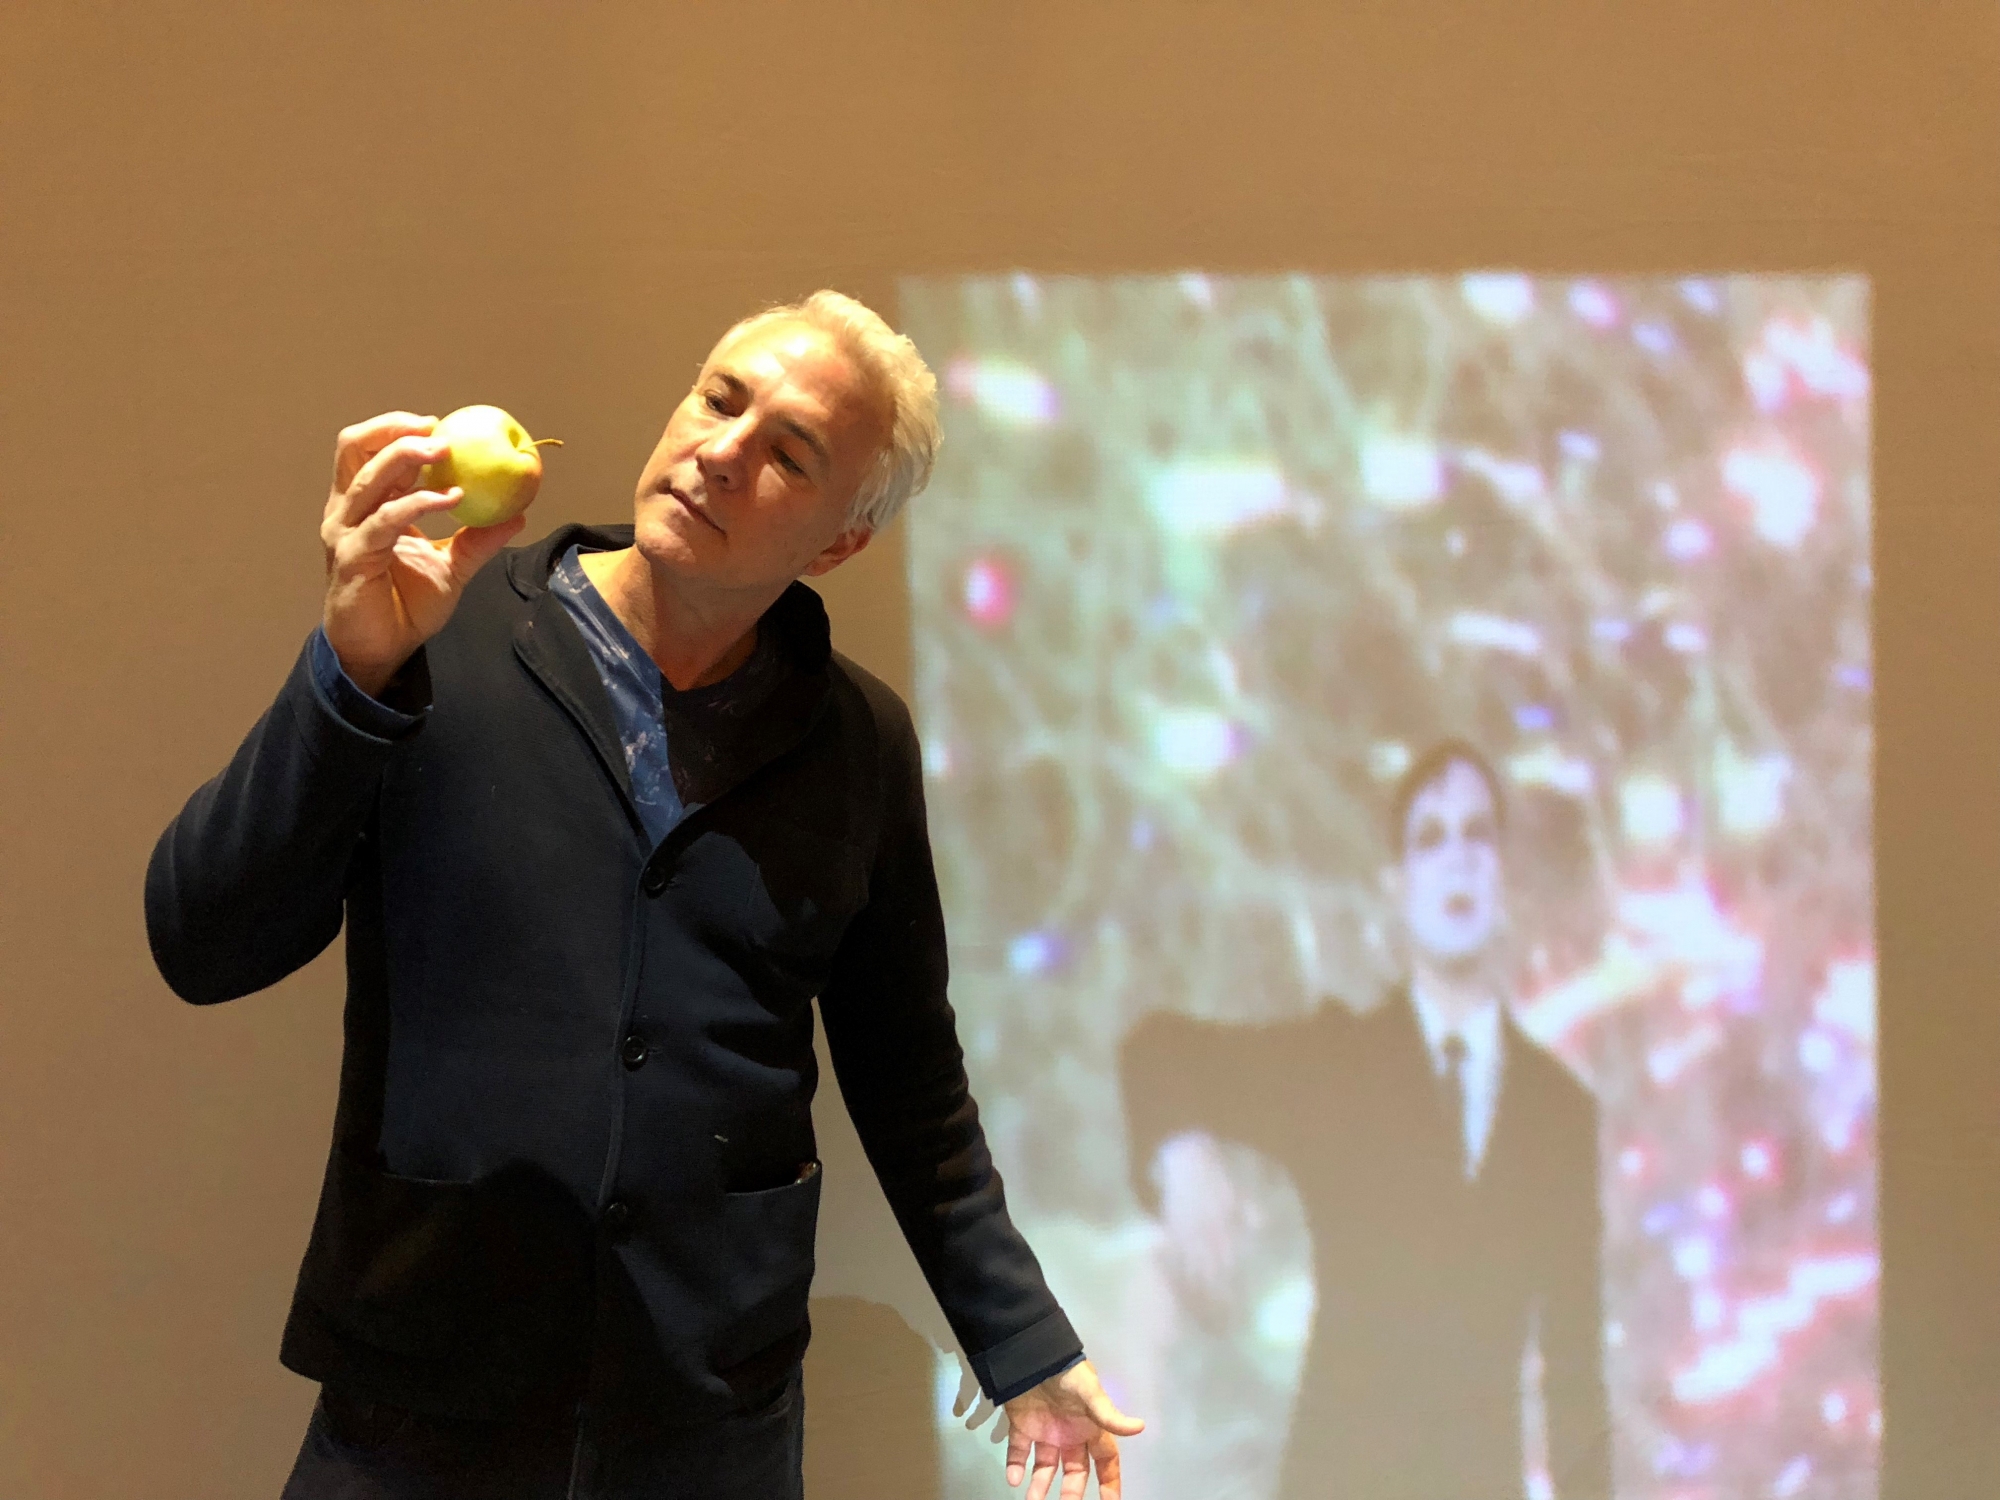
(1068, 1422)
(390, 588)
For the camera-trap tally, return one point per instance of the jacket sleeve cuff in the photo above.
(399, 710)
(1024, 1361)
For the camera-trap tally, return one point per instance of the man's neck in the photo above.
(694, 641)
(1456, 996)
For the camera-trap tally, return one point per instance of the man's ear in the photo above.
(838, 551)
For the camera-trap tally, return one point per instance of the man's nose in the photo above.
(720, 458)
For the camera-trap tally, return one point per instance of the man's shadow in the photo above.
(871, 1369)
(870, 1428)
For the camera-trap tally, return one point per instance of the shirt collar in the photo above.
(1481, 1030)
(569, 580)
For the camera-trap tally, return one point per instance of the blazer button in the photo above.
(633, 1051)
(617, 1214)
(654, 880)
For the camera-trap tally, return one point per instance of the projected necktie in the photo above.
(1454, 1093)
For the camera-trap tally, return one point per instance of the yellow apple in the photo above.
(492, 459)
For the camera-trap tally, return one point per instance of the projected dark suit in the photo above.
(1429, 1285)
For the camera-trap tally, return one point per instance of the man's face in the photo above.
(749, 486)
(1449, 881)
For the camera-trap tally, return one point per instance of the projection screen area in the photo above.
(1210, 570)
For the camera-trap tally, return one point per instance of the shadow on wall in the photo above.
(871, 1367)
(869, 1427)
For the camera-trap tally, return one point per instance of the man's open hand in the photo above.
(1066, 1422)
(390, 588)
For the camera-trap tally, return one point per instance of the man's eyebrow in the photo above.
(811, 439)
(796, 428)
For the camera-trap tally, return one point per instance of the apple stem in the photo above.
(540, 441)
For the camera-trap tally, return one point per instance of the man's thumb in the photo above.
(1111, 1419)
(473, 547)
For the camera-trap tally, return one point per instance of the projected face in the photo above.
(1449, 880)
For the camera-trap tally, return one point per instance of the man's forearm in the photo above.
(246, 884)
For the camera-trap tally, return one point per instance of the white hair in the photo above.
(891, 362)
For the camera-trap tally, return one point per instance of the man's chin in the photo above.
(660, 543)
(1459, 960)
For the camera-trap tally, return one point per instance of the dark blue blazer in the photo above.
(573, 1156)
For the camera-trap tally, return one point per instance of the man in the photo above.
(1448, 1168)
(601, 820)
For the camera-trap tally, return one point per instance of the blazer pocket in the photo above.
(769, 1236)
(442, 1270)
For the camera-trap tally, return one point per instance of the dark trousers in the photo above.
(363, 1450)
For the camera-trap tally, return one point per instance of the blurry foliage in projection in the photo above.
(1205, 562)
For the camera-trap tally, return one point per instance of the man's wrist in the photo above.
(392, 708)
(373, 678)
(1027, 1383)
(1022, 1362)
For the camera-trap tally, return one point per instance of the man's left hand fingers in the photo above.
(1044, 1473)
(1104, 1453)
(1017, 1453)
(1076, 1472)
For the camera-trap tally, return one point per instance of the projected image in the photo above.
(1398, 754)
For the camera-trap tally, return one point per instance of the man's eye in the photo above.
(790, 464)
(716, 404)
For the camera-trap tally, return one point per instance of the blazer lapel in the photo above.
(1512, 1103)
(549, 646)
(1438, 1139)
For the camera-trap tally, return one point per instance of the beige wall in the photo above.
(228, 229)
